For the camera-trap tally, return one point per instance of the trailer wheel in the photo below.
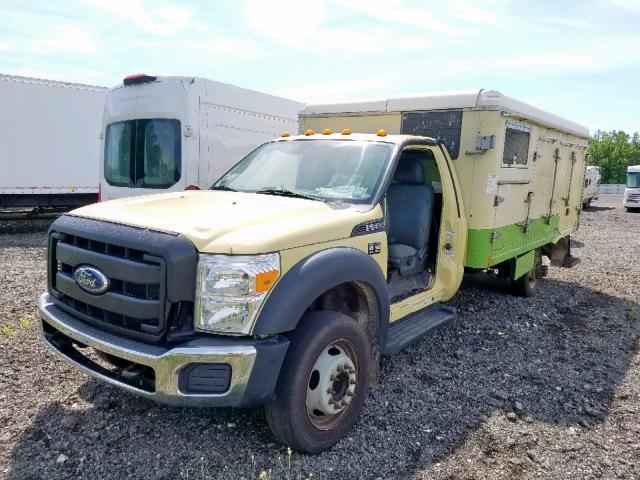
(526, 285)
(323, 383)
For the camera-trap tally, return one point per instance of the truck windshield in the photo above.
(342, 170)
(633, 180)
(143, 153)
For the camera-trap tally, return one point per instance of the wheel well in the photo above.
(356, 300)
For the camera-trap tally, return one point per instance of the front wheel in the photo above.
(323, 383)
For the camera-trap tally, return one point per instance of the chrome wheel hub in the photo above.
(332, 383)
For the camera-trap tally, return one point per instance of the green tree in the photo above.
(613, 152)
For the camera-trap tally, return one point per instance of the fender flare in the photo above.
(313, 276)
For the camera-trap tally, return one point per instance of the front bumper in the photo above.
(252, 366)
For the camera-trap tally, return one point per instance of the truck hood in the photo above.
(233, 222)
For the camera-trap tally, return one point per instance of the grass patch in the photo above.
(6, 330)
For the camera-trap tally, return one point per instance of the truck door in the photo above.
(515, 193)
(452, 239)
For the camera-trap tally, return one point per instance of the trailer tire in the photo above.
(326, 369)
(526, 285)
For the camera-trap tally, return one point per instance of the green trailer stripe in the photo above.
(510, 241)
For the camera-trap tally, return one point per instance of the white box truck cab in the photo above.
(174, 133)
(632, 192)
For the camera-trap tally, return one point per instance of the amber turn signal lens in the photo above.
(265, 280)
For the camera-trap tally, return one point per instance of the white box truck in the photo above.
(49, 132)
(632, 190)
(174, 133)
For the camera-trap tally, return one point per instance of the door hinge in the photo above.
(497, 200)
(188, 131)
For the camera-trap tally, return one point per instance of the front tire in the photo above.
(323, 384)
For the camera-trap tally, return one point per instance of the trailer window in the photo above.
(143, 153)
(516, 145)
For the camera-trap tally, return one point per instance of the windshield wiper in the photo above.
(223, 187)
(286, 193)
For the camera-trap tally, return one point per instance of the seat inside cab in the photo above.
(413, 204)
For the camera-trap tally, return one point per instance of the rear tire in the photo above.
(526, 285)
(326, 370)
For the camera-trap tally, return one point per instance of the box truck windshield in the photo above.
(633, 179)
(143, 153)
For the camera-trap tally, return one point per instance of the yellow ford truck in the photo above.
(284, 283)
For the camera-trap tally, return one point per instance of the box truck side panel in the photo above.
(50, 137)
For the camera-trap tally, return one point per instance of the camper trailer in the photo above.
(591, 188)
(164, 134)
(632, 190)
(284, 283)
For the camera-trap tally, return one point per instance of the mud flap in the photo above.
(523, 264)
(560, 253)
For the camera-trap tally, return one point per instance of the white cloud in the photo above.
(233, 47)
(395, 11)
(5, 47)
(158, 20)
(288, 21)
(311, 29)
(629, 5)
(71, 38)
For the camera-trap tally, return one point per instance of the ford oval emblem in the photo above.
(90, 279)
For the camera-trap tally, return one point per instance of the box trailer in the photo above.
(49, 132)
(175, 133)
(521, 169)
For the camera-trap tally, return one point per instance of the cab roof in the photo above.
(369, 137)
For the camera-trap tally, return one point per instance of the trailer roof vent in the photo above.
(138, 78)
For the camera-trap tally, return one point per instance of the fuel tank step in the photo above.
(416, 326)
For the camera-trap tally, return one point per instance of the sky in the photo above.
(578, 59)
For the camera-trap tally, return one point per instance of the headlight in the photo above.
(230, 290)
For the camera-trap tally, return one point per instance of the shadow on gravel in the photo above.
(557, 360)
(594, 208)
(24, 225)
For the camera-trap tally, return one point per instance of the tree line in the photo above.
(613, 152)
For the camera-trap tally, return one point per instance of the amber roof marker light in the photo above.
(308, 132)
(382, 133)
(346, 131)
(284, 134)
(327, 131)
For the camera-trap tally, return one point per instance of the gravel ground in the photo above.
(515, 388)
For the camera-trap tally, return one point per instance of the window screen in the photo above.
(445, 126)
(516, 145)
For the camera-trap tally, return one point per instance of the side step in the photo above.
(408, 330)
